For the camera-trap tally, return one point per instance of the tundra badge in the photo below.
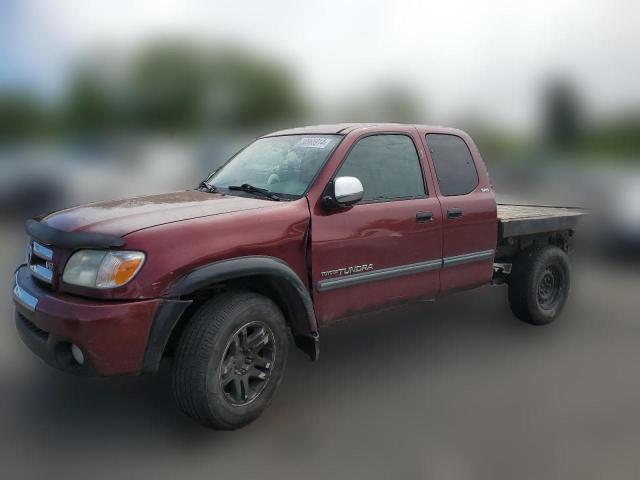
(347, 270)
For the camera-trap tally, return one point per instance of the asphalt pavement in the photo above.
(456, 389)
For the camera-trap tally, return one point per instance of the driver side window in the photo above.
(388, 167)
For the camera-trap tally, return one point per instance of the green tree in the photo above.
(562, 115)
(20, 116)
(165, 87)
(179, 86)
(89, 106)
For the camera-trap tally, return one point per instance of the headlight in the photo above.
(100, 269)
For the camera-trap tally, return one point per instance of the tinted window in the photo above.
(454, 165)
(387, 166)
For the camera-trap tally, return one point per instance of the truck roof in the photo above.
(344, 128)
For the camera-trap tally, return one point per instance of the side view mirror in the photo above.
(343, 192)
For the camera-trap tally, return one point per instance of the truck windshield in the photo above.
(285, 165)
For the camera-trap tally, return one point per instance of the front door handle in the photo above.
(424, 217)
(454, 213)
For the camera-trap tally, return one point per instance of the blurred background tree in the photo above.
(164, 88)
(562, 115)
(88, 108)
(182, 87)
(167, 86)
(21, 116)
(619, 137)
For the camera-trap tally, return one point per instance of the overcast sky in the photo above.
(490, 59)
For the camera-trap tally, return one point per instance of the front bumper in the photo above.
(112, 335)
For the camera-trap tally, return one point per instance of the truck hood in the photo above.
(120, 217)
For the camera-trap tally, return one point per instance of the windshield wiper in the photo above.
(245, 187)
(206, 187)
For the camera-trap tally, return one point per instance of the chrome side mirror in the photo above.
(343, 192)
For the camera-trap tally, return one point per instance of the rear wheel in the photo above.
(539, 284)
(230, 360)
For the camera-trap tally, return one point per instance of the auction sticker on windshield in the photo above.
(313, 142)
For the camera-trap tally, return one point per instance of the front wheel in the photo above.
(539, 284)
(230, 360)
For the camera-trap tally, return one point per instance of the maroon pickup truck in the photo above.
(300, 229)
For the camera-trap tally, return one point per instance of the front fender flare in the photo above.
(293, 296)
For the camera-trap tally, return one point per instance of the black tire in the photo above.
(539, 284)
(214, 334)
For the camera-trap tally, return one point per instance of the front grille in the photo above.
(33, 327)
(40, 261)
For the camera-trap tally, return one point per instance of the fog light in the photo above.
(77, 354)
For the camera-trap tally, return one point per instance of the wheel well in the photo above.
(283, 294)
(509, 247)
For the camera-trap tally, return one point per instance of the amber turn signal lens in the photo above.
(118, 268)
(126, 270)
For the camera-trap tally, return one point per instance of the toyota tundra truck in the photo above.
(300, 229)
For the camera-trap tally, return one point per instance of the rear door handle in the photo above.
(454, 213)
(424, 217)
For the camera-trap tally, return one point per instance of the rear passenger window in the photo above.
(454, 165)
(387, 166)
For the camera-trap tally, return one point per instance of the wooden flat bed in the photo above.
(519, 220)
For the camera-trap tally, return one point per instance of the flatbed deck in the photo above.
(519, 220)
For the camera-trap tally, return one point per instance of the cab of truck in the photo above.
(426, 228)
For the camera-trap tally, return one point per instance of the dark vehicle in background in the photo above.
(300, 229)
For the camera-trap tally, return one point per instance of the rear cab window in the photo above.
(454, 165)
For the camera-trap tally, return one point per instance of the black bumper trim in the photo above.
(54, 351)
